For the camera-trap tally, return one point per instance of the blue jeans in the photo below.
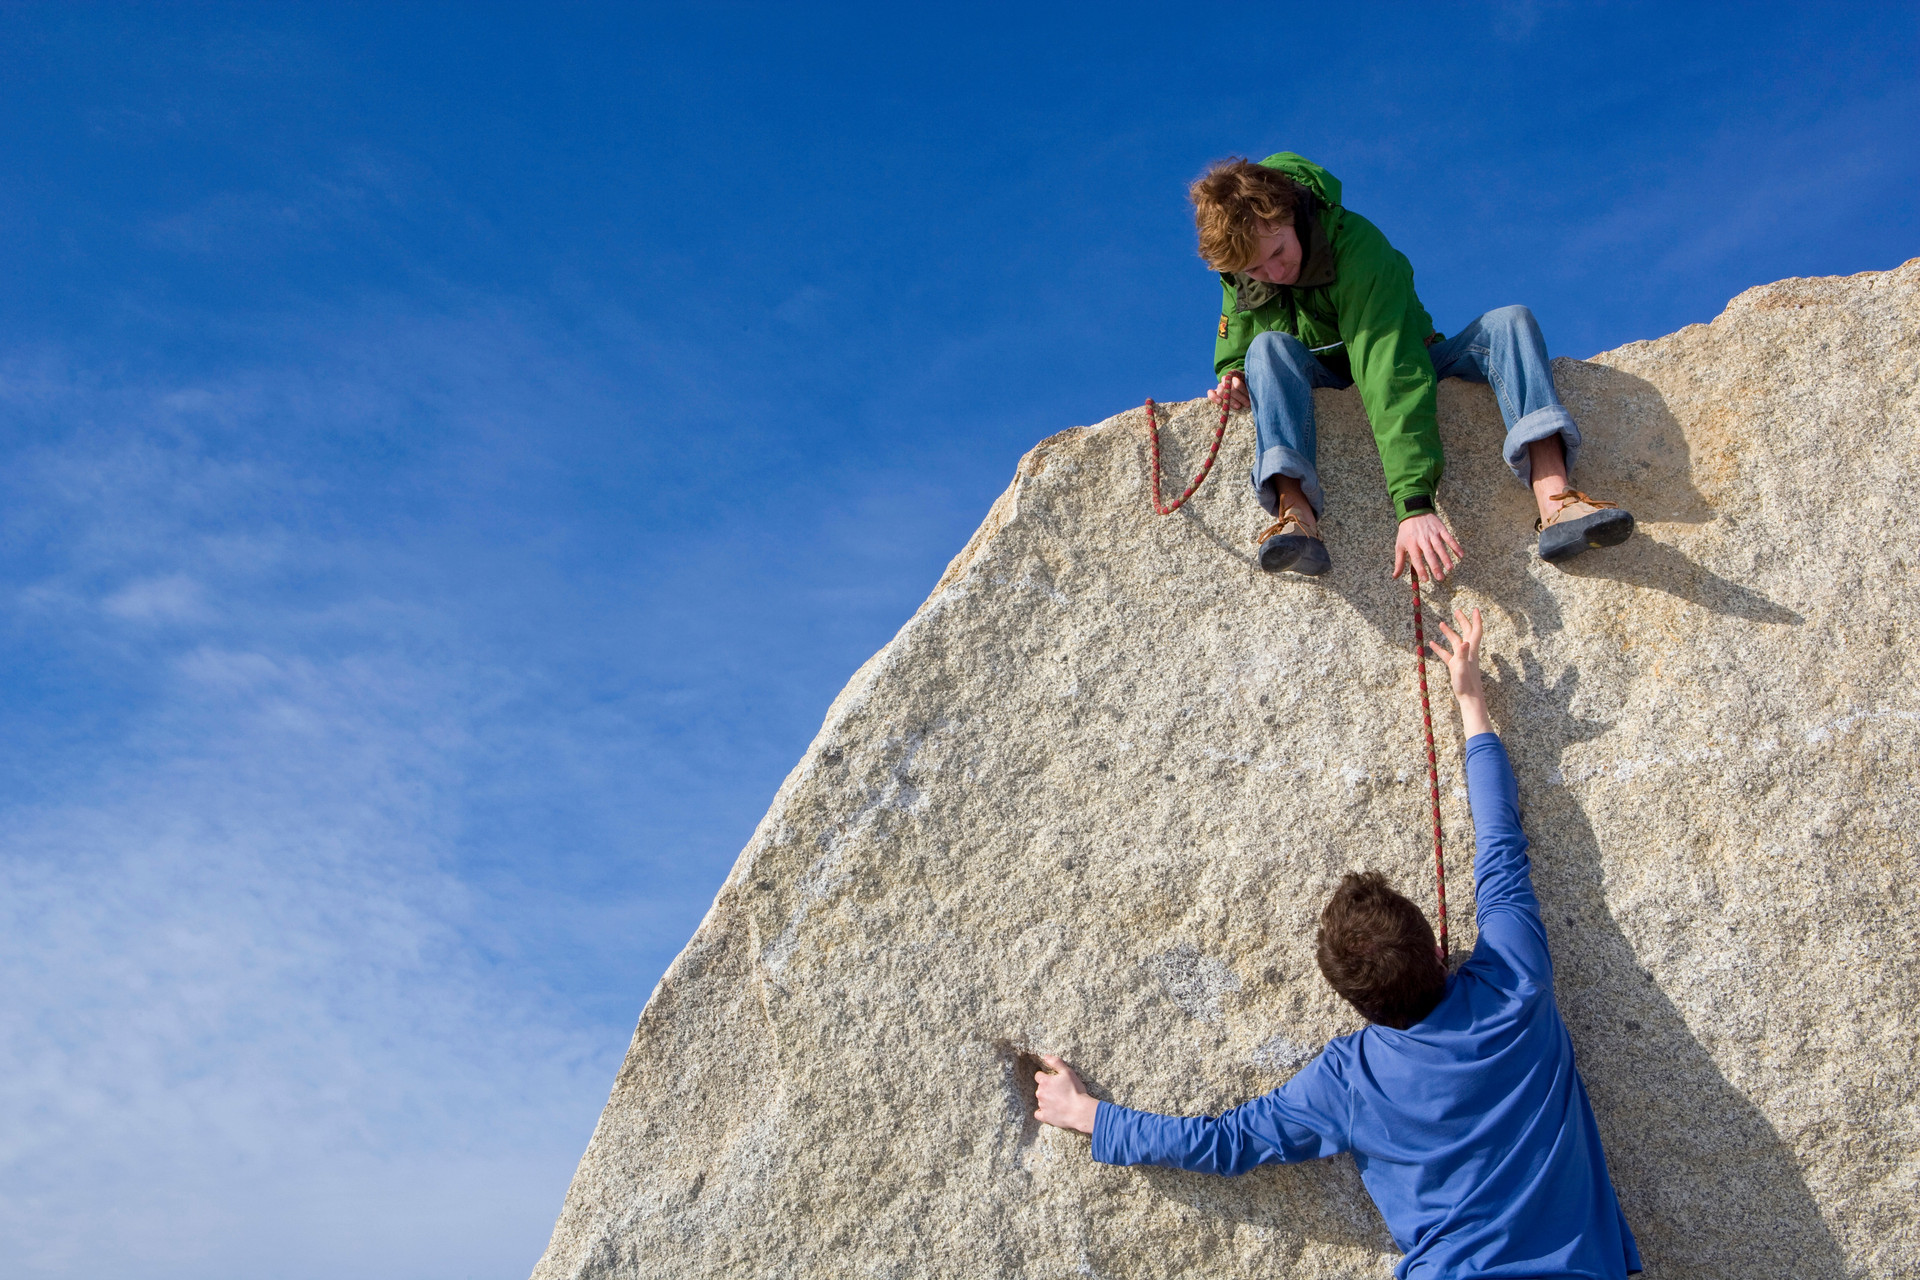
(1502, 348)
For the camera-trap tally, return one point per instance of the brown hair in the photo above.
(1232, 203)
(1377, 951)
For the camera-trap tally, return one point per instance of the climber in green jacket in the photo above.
(1313, 295)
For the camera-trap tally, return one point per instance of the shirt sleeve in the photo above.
(1504, 903)
(1385, 329)
(1304, 1119)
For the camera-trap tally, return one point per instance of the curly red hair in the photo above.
(1234, 201)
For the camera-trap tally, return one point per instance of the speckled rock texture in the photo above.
(1092, 796)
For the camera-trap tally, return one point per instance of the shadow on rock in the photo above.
(1708, 1186)
(1383, 603)
(1247, 553)
(1637, 452)
(1323, 1200)
(1643, 562)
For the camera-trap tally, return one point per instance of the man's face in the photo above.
(1279, 256)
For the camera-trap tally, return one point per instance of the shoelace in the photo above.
(1287, 517)
(1567, 497)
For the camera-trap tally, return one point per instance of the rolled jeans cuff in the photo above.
(1278, 460)
(1543, 422)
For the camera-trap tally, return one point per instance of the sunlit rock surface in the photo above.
(1091, 797)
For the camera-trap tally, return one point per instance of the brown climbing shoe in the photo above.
(1286, 544)
(1580, 523)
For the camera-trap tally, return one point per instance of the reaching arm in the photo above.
(1301, 1120)
(1268, 1130)
(1502, 873)
(1385, 329)
(1505, 907)
(1463, 671)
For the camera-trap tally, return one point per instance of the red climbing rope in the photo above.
(1433, 765)
(1153, 431)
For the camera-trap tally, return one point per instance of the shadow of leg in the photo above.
(1643, 562)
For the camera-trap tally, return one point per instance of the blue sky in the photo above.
(453, 455)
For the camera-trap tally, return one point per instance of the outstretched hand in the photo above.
(1428, 545)
(1064, 1101)
(1463, 659)
(1463, 670)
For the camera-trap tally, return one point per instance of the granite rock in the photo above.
(1091, 797)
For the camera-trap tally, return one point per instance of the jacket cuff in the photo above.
(1414, 504)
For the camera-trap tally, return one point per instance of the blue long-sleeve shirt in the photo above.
(1471, 1128)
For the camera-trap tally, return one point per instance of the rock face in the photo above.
(1092, 796)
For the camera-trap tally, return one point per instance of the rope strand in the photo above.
(1153, 431)
(1433, 764)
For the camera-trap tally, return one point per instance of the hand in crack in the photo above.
(1064, 1101)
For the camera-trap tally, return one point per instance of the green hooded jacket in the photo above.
(1355, 308)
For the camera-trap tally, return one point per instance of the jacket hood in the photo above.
(1307, 174)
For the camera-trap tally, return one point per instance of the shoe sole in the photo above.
(1601, 529)
(1295, 551)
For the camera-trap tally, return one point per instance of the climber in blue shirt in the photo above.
(1459, 1101)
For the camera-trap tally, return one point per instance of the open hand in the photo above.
(1064, 1101)
(1463, 668)
(1424, 542)
(1232, 391)
(1463, 659)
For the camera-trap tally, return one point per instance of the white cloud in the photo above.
(257, 1020)
(239, 973)
(172, 597)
